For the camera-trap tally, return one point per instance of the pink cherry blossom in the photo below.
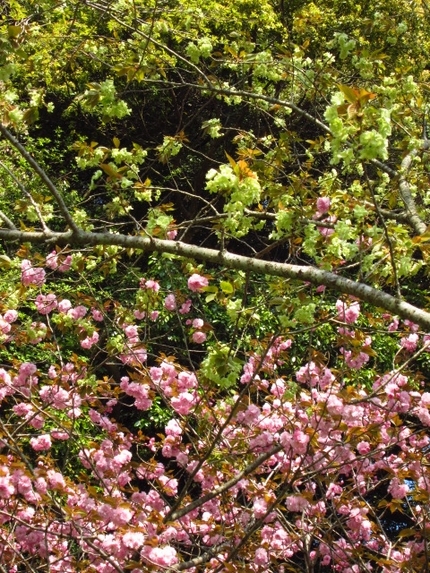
(6, 487)
(296, 503)
(326, 231)
(64, 305)
(197, 283)
(131, 332)
(163, 556)
(77, 312)
(355, 361)
(409, 343)
(398, 490)
(97, 315)
(186, 307)
(363, 448)
(51, 260)
(89, 341)
(133, 540)
(5, 326)
(261, 557)
(170, 485)
(55, 480)
(150, 285)
(323, 204)
(31, 275)
(394, 325)
(42, 442)
(23, 409)
(183, 403)
(199, 337)
(259, 507)
(46, 304)
(37, 422)
(335, 405)
(170, 302)
(348, 314)
(10, 316)
(27, 369)
(173, 428)
(60, 435)
(66, 264)
(171, 235)
(300, 441)
(141, 393)
(413, 327)
(134, 355)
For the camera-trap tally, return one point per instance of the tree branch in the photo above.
(7, 221)
(36, 167)
(227, 485)
(229, 260)
(405, 191)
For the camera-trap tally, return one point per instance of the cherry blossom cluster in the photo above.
(280, 471)
(323, 208)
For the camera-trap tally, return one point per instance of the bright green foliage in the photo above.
(220, 367)
(286, 131)
(147, 100)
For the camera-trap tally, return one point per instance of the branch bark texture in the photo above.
(229, 260)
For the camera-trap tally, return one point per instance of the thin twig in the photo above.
(28, 195)
(387, 235)
(38, 169)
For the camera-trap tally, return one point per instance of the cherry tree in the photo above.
(214, 335)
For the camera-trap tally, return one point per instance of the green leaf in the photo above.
(5, 262)
(226, 287)
(14, 31)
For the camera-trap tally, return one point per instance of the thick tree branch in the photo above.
(7, 221)
(232, 261)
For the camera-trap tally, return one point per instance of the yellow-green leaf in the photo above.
(226, 287)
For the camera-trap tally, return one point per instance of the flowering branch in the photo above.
(232, 261)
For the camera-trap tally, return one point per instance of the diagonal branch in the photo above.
(405, 191)
(7, 221)
(29, 197)
(229, 260)
(36, 167)
(225, 486)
